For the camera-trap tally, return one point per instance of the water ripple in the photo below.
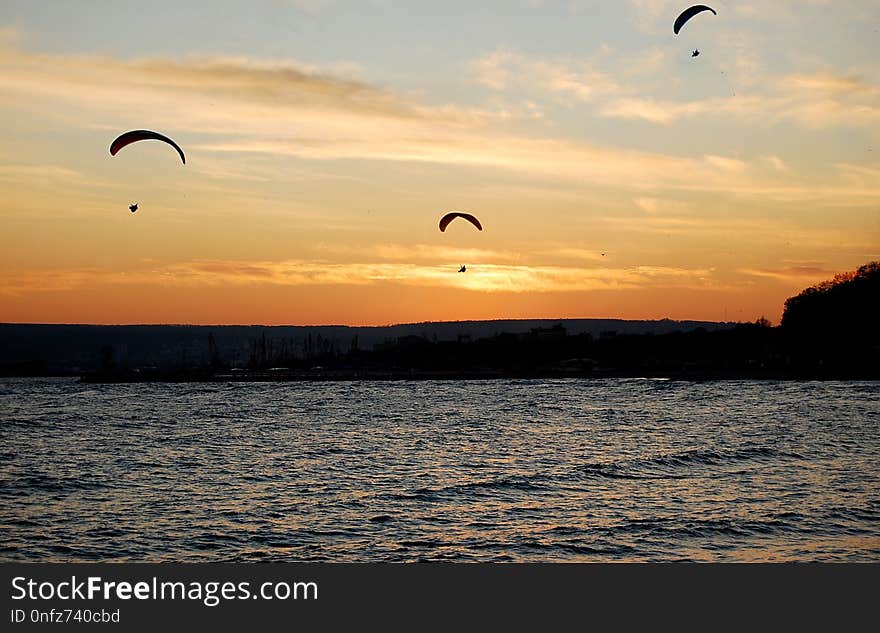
(520, 470)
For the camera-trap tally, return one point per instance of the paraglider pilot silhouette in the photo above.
(449, 217)
(686, 15)
(134, 136)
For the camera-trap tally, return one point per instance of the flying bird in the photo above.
(133, 207)
(696, 53)
(463, 269)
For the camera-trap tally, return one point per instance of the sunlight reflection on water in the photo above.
(558, 470)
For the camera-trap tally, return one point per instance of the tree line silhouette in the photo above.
(827, 331)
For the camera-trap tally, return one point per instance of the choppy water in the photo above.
(557, 470)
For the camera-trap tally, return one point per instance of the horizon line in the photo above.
(388, 325)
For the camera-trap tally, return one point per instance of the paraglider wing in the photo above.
(449, 217)
(687, 14)
(143, 135)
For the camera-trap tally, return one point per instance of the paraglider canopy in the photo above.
(687, 14)
(143, 135)
(449, 217)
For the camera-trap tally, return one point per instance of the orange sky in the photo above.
(614, 175)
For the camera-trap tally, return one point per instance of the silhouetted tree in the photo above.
(834, 323)
(848, 303)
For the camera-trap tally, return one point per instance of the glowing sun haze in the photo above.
(614, 174)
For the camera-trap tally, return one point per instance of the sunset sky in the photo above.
(325, 139)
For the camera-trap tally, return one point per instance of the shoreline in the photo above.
(690, 375)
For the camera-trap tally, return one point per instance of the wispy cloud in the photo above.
(793, 274)
(776, 163)
(202, 83)
(282, 108)
(813, 101)
(629, 86)
(425, 252)
(17, 173)
(580, 80)
(480, 277)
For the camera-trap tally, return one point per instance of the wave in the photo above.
(665, 529)
(668, 466)
(39, 482)
(511, 482)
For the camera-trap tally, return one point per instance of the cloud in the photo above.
(425, 252)
(43, 173)
(817, 101)
(112, 84)
(490, 70)
(776, 163)
(648, 205)
(566, 252)
(643, 109)
(224, 105)
(860, 177)
(726, 164)
(793, 274)
(829, 84)
(506, 70)
(18, 176)
(482, 277)
(668, 208)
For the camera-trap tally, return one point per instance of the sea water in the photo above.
(501, 470)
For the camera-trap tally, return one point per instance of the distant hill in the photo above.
(29, 349)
